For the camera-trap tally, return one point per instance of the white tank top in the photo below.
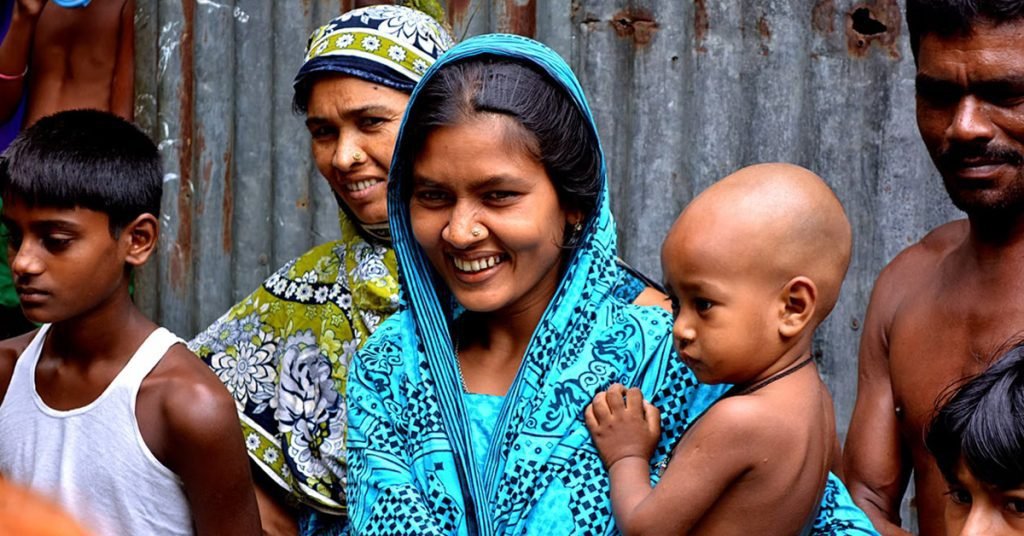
(92, 460)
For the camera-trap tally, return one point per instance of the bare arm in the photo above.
(877, 464)
(15, 53)
(712, 455)
(276, 519)
(208, 454)
(122, 90)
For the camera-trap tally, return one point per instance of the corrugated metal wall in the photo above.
(685, 91)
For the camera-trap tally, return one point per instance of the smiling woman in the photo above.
(465, 408)
(284, 351)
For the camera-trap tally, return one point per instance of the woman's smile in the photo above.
(487, 215)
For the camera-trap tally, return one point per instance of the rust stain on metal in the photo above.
(764, 34)
(228, 206)
(701, 24)
(878, 22)
(635, 23)
(823, 16)
(459, 14)
(519, 18)
(182, 262)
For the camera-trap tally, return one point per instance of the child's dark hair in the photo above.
(956, 17)
(88, 159)
(549, 125)
(983, 424)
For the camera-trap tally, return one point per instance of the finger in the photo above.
(653, 417)
(635, 400)
(615, 398)
(589, 418)
(600, 405)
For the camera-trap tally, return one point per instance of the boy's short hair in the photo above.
(85, 158)
(983, 424)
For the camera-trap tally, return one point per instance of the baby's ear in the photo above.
(799, 300)
(140, 238)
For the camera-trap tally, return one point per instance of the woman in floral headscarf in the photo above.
(284, 351)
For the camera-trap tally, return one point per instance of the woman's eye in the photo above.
(431, 196)
(371, 122)
(322, 133)
(501, 196)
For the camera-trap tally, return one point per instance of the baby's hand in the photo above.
(623, 424)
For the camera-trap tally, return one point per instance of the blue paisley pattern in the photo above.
(415, 465)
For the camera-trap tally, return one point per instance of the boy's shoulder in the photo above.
(189, 393)
(192, 400)
(10, 350)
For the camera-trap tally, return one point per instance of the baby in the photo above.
(753, 265)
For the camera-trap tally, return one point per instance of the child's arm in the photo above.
(208, 454)
(15, 53)
(711, 456)
(122, 87)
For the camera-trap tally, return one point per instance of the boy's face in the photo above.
(974, 508)
(725, 314)
(64, 261)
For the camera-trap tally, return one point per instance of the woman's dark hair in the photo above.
(88, 159)
(549, 125)
(983, 424)
(957, 17)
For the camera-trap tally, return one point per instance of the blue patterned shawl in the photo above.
(412, 465)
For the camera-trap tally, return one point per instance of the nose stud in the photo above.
(475, 231)
(357, 156)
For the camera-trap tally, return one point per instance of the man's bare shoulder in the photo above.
(912, 266)
(935, 245)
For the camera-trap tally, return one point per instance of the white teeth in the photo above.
(360, 186)
(476, 265)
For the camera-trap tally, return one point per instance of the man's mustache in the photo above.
(957, 155)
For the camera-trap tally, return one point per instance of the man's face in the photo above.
(970, 111)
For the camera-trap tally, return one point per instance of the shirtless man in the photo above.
(68, 58)
(942, 307)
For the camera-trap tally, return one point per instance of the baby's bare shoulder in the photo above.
(769, 418)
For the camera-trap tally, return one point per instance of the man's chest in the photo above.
(938, 340)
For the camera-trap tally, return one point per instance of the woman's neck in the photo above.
(490, 349)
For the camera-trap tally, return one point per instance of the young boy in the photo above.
(752, 265)
(100, 409)
(54, 58)
(977, 439)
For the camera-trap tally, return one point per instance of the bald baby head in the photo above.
(773, 222)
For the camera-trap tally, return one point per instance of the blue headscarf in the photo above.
(414, 467)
